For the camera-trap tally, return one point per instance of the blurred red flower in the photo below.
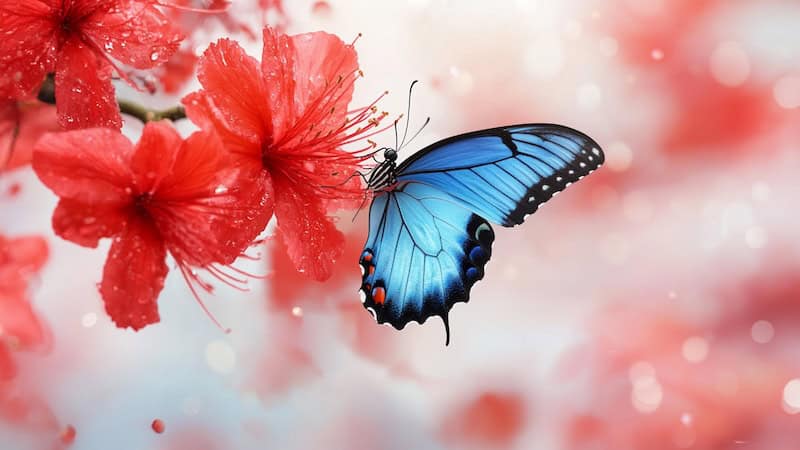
(184, 13)
(21, 125)
(660, 379)
(164, 194)
(20, 328)
(177, 70)
(490, 420)
(289, 116)
(76, 39)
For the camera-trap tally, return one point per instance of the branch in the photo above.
(147, 115)
(47, 94)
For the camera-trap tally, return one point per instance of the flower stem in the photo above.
(146, 115)
(47, 94)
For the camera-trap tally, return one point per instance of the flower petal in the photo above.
(154, 154)
(324, 70)
(176, 72)
(135, 33)
(130, 295)
(84, 93)
(27, 253)
(25, 50)
(277, 67)
(88, 166)
(21, 126)
(312, 240)
(202, 112)
(207, 210)
(19, 321)
(85, 224)
(233, 82)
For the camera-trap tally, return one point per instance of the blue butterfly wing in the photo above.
(430, 237)
(504, 174)
(424, 252)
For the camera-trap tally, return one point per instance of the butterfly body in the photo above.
(430, 234)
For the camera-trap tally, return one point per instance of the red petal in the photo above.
(154, 154)
(130, 295)
(8, 369)
(290, 288)
(26, 254)
(233, 82)
(277, 67)
(324, 66)
(25, 50)
(195, 168)
(201, 111)
(18, 320)
(207, 210)
(136, 33)
(89, 166)
(312, 240)
(33, 120)
(176, 72)
(83, 89)
(86, 224)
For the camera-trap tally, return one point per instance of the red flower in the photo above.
(76, 39)
(20, 259)
(164, 194)
(21, 125)
(177, 71)
(289, 116)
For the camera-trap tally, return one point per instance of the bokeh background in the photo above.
(654, 305)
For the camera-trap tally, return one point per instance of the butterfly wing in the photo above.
(504, 174)
(424, 252)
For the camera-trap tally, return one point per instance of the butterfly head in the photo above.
(390, 154)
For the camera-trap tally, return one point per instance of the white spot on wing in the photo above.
(481, 227)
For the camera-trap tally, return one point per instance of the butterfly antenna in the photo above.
(408, 113)
(427, 121)
(396, 145)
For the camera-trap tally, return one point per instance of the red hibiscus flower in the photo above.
(20, 329)
(289, 116)
(164, 194)
(21, 125)
(76, 39)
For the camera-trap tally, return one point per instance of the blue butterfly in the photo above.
(429, 233)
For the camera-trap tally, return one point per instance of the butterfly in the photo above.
(430, 235)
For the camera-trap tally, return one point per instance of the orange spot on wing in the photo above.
(371, 270)
(379, 295)
(368, 257)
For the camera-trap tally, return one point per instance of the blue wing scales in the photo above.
(504, 174)
(424, 252)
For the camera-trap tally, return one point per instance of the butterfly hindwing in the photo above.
(505, 174)
(424, 252)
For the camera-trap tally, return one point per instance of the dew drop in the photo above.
(67, 435)
(158, 426)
